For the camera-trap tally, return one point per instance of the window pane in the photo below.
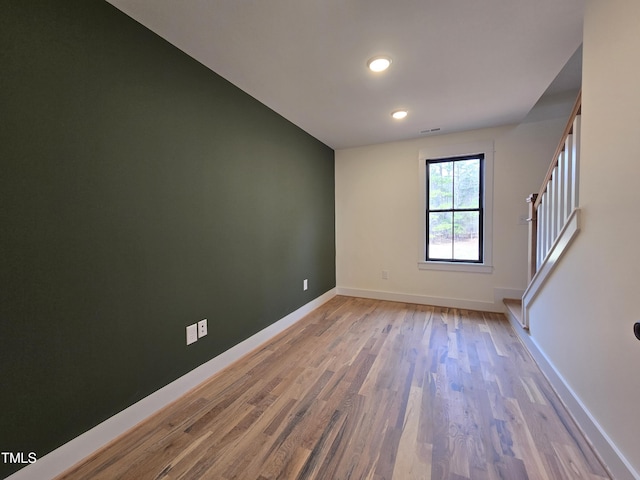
(467, 183)
(440, 185)
(466, 234)
(441, 235)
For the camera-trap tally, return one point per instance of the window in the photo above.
(455, 209)
(456, 185)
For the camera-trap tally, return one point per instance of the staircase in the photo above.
(554, 216)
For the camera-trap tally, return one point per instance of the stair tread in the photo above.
(514, 308)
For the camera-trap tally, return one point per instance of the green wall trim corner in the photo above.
(69, 454)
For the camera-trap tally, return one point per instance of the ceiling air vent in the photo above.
(429, 130)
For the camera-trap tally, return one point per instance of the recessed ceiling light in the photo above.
(378, 64)
(399, 114)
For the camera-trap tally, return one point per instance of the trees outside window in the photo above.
(455, 209)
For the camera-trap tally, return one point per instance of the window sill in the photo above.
(456, 267)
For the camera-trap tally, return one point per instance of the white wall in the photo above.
(378, 207)
(583, 319)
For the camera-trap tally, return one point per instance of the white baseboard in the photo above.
(67, 455)
(422, 299)
(610, 455)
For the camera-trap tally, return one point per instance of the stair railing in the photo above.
(553, 211)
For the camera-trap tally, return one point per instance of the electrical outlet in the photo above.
(192, 334)
(385, 274)
(305, 284)
(202, 328)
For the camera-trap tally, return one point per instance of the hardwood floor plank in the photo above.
(524, 445)
(411, 463)
(320, 449)
(364, 389)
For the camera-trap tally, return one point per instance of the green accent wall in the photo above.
(139, 193)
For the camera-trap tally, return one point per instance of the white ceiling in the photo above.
(457, 64)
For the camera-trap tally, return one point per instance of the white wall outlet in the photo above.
(305, 284)
(202, 328)
(385, 274)
(192, 334)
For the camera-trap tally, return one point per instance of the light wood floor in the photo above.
(364, 389)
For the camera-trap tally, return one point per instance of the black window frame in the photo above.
(480, 209)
